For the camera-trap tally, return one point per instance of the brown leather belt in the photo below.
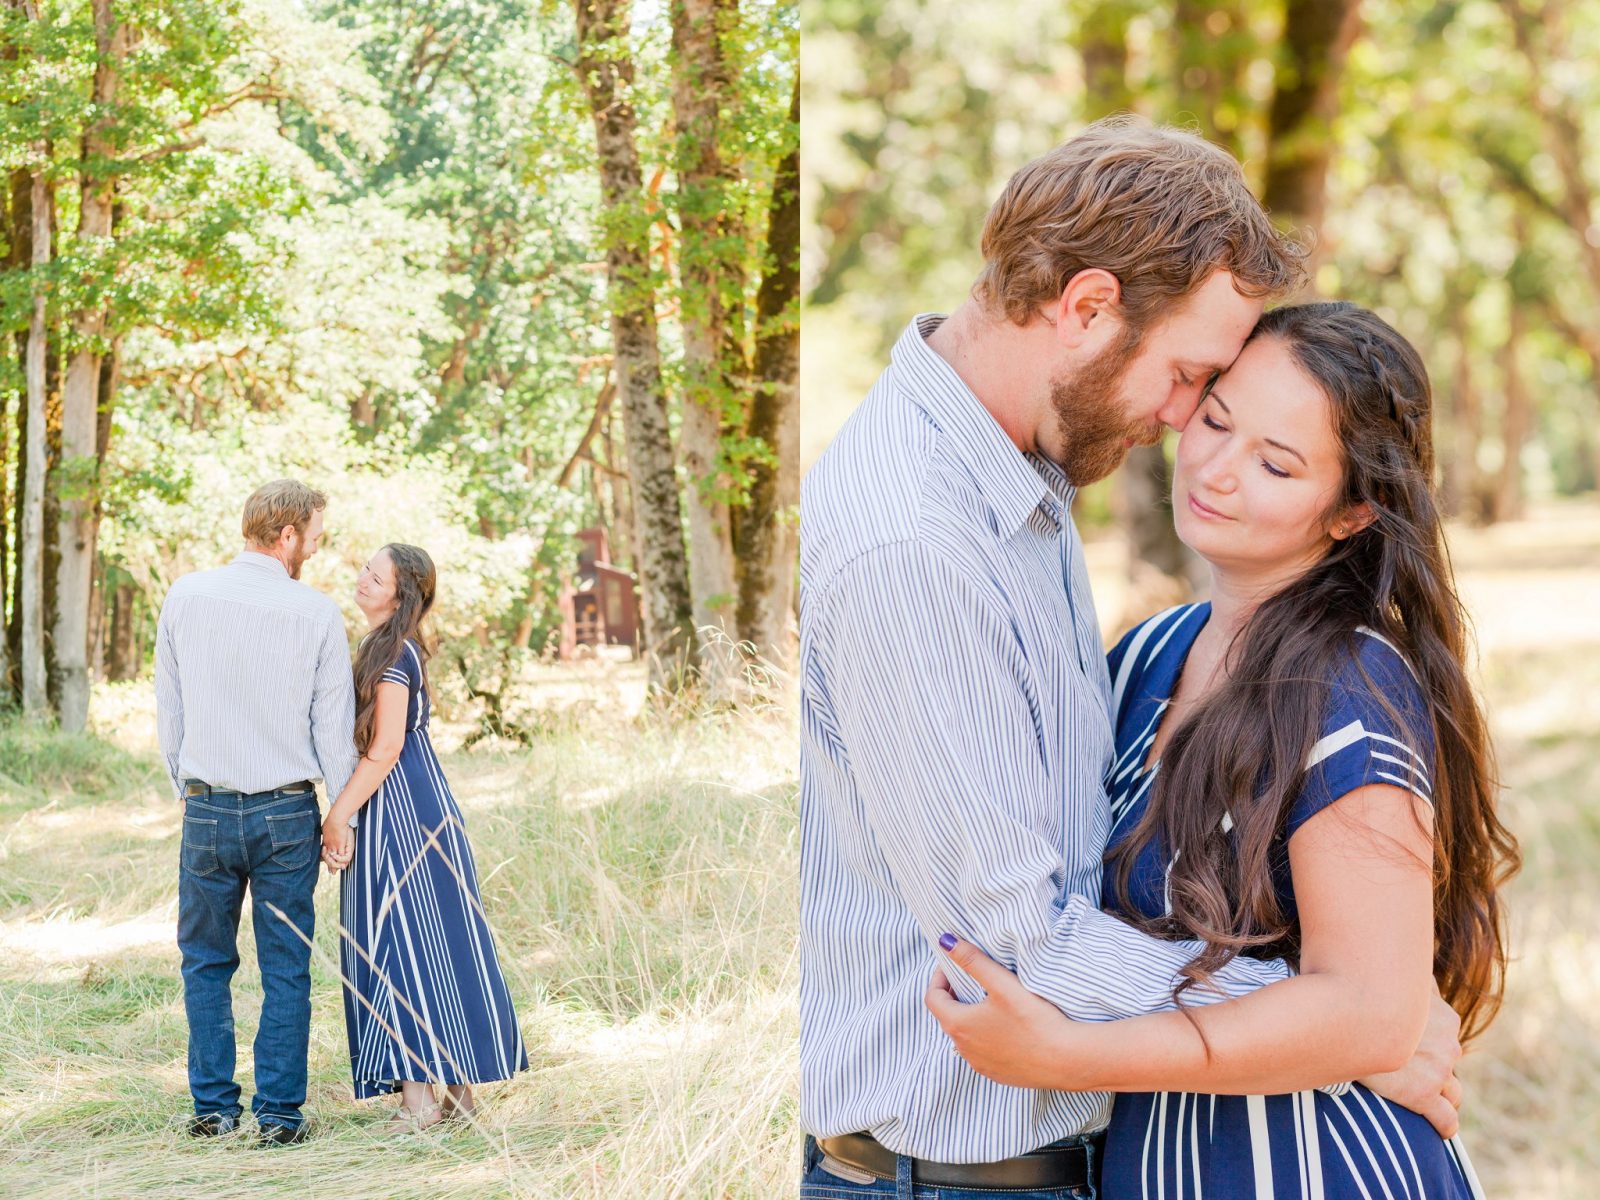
(1071, 1166)
(197, 787)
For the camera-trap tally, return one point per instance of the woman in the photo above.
(1302, 771)
(425, 1001)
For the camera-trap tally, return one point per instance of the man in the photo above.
(254, 701)
(954, 706)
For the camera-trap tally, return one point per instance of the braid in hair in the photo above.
(1402, 408)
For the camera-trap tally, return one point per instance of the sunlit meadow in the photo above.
(638, 870)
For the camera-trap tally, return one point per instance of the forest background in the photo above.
(475, 269)
(1444, 160)
(487, 272)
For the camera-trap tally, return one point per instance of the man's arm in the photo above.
(333, 709)
(1360, 1005)
(169, 698)
(934, 703)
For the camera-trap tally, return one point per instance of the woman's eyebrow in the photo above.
(1223, 404)
(1288, 450)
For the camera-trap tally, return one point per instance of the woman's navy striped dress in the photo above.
(424, 998)
(1347, 1144)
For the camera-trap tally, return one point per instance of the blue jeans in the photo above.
(267, 841)
(818, 1183)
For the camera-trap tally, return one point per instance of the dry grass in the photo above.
(640, 877)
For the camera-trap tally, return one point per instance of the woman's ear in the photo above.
(1352, 521)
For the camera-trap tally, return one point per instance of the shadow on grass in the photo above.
(40, 765)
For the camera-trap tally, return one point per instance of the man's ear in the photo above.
(1086, 313)
(1352, 521)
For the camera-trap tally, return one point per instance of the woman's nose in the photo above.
(1219, 472)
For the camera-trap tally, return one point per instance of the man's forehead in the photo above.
(1209, 331)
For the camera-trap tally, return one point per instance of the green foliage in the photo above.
(1445, 193)
(361, 244)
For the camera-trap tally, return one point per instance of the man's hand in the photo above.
(1428, 1084)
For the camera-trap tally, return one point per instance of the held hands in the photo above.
(1427, 1084)
(338, 840)
(1011, 1036)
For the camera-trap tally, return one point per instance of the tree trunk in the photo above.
(80, 399)
(1158, 563)
(30, 556)
(1460, 463)
(1213, 46)
(52, 508)
(1103, 49)
(766, 528)
(699, 87)
(1507, 505)
(19, 255)
(121, 663)
(606, 73)
(1317, 36)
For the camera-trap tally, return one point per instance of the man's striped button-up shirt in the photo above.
(954, 735)
(253, 681)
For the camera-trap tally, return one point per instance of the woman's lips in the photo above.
(1206, 511)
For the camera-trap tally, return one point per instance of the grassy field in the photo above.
(640, 876)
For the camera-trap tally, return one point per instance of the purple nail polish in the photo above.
(947, 941)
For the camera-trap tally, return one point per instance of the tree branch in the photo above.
(602, 406)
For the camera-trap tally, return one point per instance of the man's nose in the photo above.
(1180, 407)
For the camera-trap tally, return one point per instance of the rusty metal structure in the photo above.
(599, 602)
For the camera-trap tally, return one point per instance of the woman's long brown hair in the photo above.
(1243, 751)
(414, 582)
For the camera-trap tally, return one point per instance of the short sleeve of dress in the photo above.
(1376, 729)
(405, 669)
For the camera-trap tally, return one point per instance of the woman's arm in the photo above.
(388, 739)
(1362, 876)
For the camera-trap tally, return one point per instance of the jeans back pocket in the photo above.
(199, 854)
(294, 838)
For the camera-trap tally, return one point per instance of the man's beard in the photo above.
(1095, 430)
(297, 559)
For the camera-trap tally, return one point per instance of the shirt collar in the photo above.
(262, 562)
(1014, 484)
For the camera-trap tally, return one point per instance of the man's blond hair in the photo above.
(1158, 207)
(274, 505)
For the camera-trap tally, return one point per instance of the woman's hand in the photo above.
(338, 840)
(1011, 1036)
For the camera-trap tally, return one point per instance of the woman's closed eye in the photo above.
(1211, 422)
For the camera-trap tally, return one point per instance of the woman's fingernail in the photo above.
(947, 941)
